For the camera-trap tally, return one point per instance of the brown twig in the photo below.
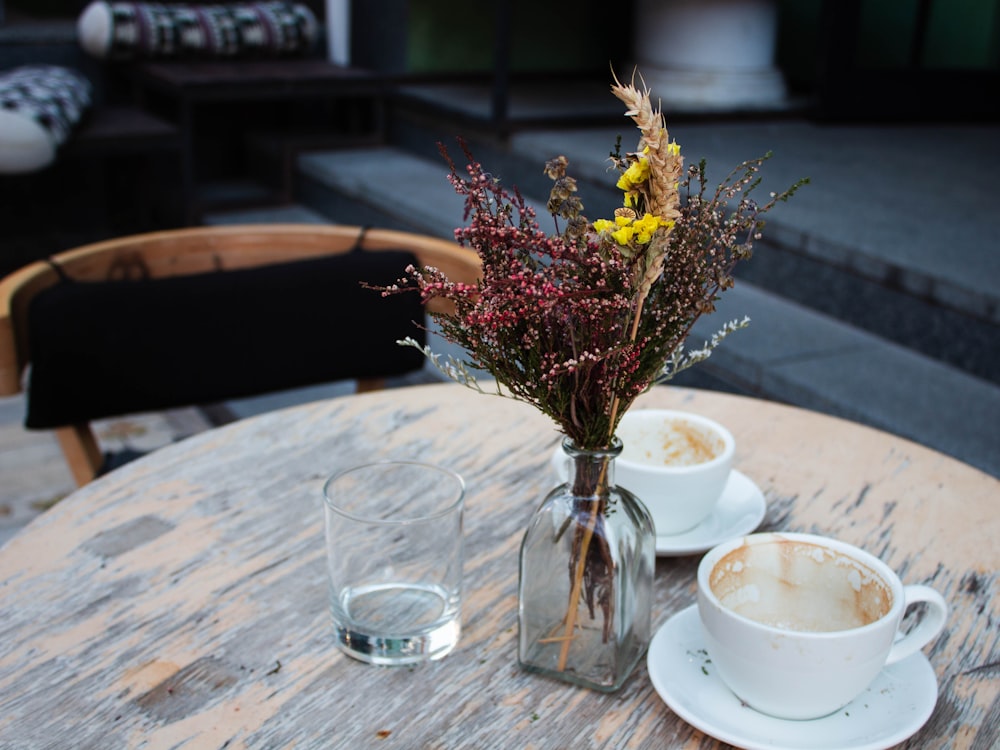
(574, 594)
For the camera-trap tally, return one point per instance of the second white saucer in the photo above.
(893, 708)
(739, 511)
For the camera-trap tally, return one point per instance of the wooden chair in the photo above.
(198, 252)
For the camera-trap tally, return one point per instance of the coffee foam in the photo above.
(800, 586)
(670, 442)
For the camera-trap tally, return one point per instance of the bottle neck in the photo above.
(591, 472)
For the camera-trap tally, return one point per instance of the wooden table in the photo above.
(181, 600)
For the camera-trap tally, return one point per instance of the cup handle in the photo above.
(929, 626)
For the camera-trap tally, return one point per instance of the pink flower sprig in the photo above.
(549, 318)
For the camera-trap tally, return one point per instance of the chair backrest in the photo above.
(258, 256)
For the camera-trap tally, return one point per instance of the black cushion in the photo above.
(102, 349)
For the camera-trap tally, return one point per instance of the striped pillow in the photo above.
(40, 105)
(128, 30)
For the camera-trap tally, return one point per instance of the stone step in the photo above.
(789, 353)
(378, 186)
(290, 214)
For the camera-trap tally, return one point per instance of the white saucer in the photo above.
(893, 708)
(739, 511)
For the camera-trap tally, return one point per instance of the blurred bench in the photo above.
(186, 87)
(121, 129)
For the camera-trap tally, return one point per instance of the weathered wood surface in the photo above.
(180, 602)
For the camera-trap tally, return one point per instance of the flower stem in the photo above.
(588, 534)
(574, 594)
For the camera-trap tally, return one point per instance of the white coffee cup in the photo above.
(798, 625)
(676, 462)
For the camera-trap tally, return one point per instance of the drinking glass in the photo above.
(394, 556)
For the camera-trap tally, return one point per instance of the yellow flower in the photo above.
(674, 148)
(636, 174)
(640, 170)
(624, 235)
(645, 227)
(630, 229)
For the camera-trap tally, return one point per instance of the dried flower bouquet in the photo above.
(581, 322)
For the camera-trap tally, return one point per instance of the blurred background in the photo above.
(873, 295)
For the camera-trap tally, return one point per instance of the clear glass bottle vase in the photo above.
(586, 577)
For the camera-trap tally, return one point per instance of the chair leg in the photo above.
(79, 446)
(365, 385)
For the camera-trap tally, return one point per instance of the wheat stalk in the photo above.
(666, 164)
